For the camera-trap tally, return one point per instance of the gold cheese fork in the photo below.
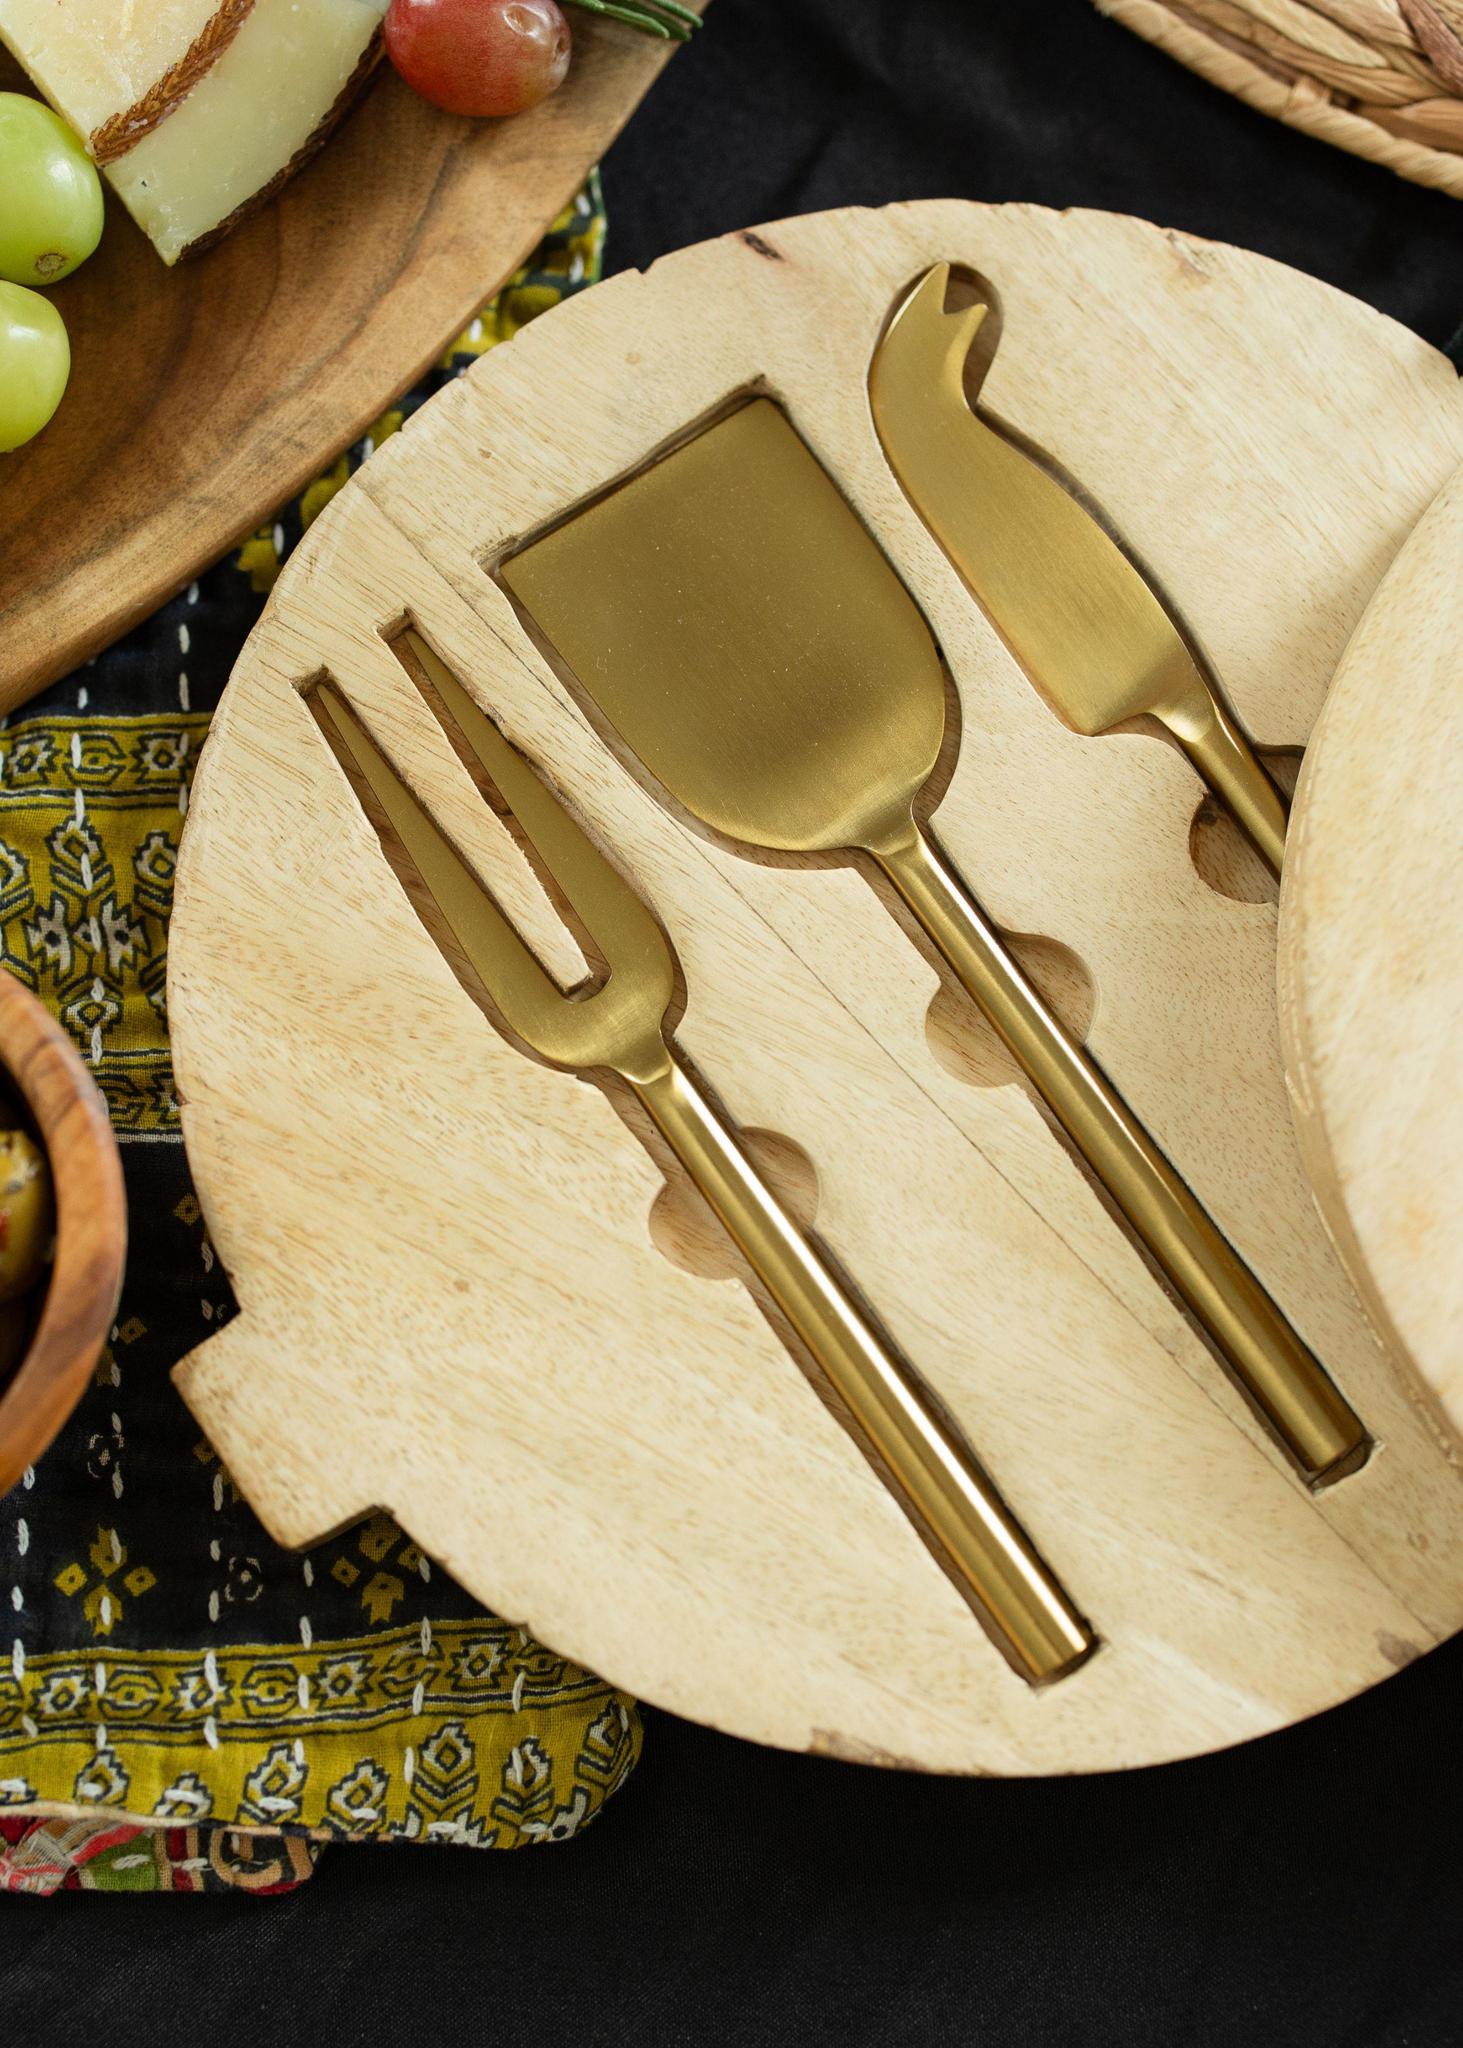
(736, 624)
(1081, 620)
(619, 1025)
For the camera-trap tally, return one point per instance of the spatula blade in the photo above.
(739, 628)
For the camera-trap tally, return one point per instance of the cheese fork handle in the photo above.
(934, 1472)
(1225, 760)
(1294, 1395)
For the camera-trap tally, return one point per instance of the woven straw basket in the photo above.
(1383, 78)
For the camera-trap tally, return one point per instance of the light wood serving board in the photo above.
(1371, 951)
(204, 396)
(452, 1303)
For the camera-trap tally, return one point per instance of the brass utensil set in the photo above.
(741, 635)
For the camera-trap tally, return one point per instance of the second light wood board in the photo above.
(460, 1297)
(1372, 954)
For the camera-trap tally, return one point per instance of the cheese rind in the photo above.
(96, 59)
(252, 98)
(243, 125)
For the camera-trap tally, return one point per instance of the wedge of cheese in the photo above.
(196, 110)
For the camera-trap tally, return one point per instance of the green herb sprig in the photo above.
(665, 18)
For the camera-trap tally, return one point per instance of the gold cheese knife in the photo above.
(618, 1023)
(734, 621)
(1076, 613)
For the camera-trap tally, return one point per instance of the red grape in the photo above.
(479, 56)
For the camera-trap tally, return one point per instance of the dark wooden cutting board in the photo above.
(202, 397)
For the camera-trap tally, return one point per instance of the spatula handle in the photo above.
(1288, 1386)
(930, 1468)
(1227, 762)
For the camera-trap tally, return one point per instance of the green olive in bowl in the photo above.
(63, 1320)
(27, 1214)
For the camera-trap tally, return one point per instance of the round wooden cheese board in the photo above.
(1371, 952)
(464, 1295)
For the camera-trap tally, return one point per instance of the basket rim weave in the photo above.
(1301, 102)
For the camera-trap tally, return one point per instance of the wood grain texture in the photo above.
(91, 1228)
(201, 398)
(452, 1301)
(1371, 954)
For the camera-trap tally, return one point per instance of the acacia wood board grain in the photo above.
(1371, 951)
(203, 396)
(461, 1294)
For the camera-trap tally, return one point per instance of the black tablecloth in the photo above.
(1303, 1889)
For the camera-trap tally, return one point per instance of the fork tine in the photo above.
(509, 971)
(617, 1024)
(611, 911)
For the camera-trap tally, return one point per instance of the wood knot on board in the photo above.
(1193, 260)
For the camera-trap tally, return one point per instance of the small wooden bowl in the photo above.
(91, 1228)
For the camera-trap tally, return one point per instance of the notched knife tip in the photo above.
(923, 309)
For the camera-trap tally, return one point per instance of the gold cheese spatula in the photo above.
(1083, 623)
(619, 1024)
(736, 624)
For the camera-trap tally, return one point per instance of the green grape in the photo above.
(51, 218)
(35, 361)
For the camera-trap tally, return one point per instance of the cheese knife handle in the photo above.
(1227, 762)
(932, 1470)
(1287, 1385)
